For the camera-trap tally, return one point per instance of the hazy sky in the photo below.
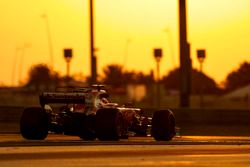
(126, 31)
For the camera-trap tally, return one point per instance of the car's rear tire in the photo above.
(87, 128)
(163, 125)
(34, 123)
(109, 124)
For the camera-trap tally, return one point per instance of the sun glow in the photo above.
(221, 27)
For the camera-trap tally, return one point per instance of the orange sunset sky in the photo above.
(126, 31)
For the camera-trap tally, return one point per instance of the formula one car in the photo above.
(87, 113)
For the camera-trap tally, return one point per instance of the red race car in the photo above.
(87, 113)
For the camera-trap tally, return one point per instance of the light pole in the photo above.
(170, 42)
(25, 46)
(49, 40)
(68, 56)
(158, 56)
(185, 60)
(126, 52)
(14, 66)
(201, 55)
(93, 59)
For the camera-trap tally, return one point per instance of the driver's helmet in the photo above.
(101, 100)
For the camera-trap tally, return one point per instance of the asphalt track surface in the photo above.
(60, 150)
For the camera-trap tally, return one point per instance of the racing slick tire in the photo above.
(34, 123)
(109, 124)
(87, 128)
(163, 125)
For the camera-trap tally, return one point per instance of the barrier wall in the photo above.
(9, 119)
(213, 122)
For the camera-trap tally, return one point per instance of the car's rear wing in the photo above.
(62, 97)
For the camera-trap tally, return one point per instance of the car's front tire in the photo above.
(163, 125)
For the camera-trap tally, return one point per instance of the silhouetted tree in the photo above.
(239, 77)
(41, 77)
(200, 83)
(142, 78)
(113, 75)
(129, 77)
(171, 80)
